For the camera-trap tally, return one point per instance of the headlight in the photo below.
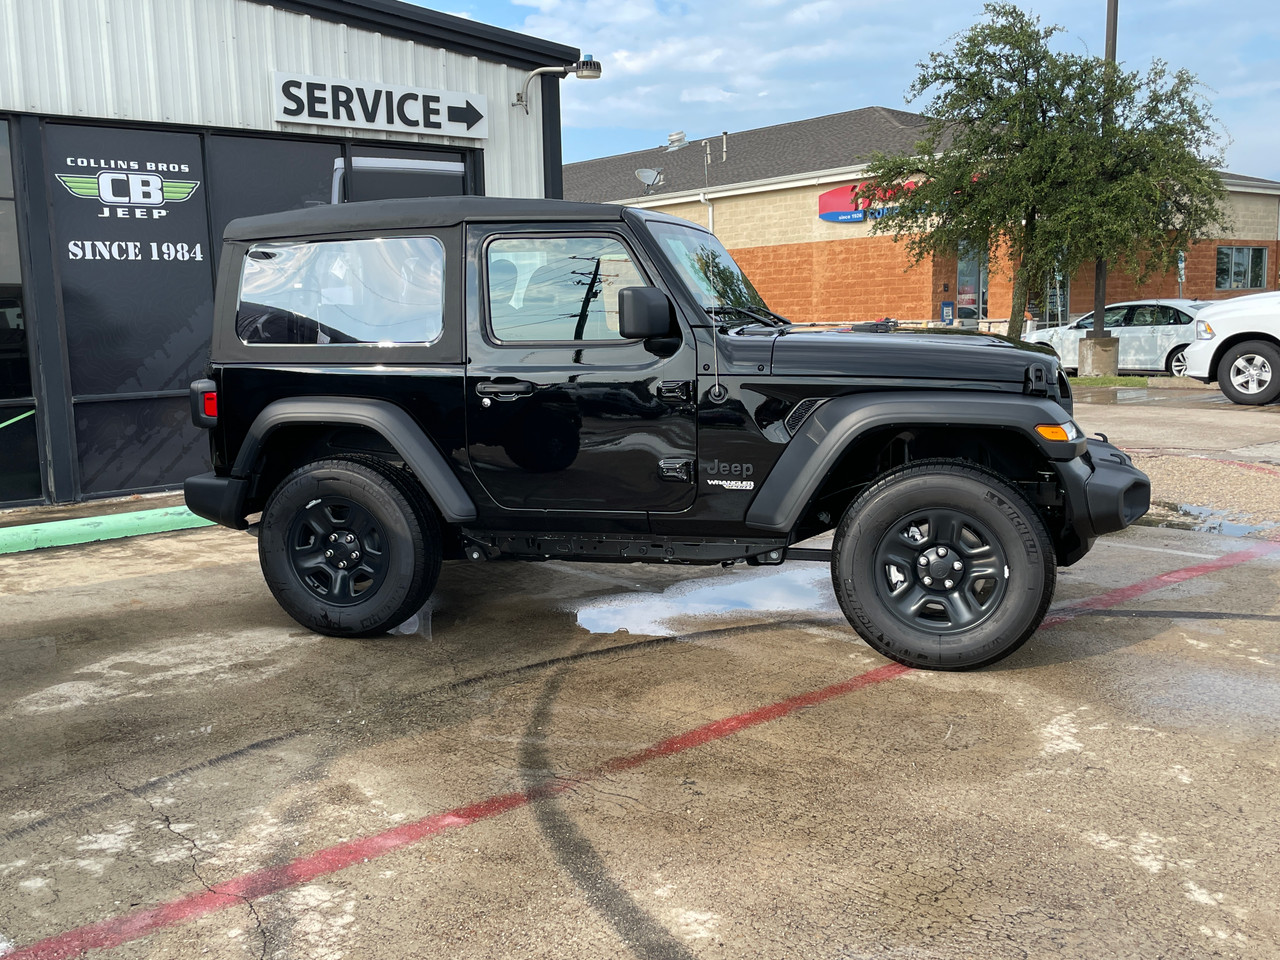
(1204, 331)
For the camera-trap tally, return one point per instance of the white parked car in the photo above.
(1153, 334)
(1238, 344)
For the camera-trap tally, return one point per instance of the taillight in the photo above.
(204, 404)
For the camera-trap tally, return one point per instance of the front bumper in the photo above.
(1199, 357)
(1105, 492)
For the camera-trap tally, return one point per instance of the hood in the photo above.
(1255, 304)
(882, 352)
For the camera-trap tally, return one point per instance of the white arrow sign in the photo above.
(334, 102)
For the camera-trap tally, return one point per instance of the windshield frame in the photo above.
(675, 239)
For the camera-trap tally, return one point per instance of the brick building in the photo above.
(779, 199)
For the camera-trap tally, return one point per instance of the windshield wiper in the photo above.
(768, 317)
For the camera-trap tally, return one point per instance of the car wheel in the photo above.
(1177, 363)
(1249, 372)
(349, 546)
(942, 565)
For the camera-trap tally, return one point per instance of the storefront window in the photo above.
(254, 175)
(971, 286)
(1057, 298)
(20, 465)
(373, 173)
(1242, 268)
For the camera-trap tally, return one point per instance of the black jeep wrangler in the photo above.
(398, 383)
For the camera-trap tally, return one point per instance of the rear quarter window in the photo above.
(384, 290)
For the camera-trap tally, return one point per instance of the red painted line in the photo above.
(1119, 595)
(1244, 465)
(119, 930)
(251, 886)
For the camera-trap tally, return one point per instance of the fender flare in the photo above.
(386, 419)
(836, 423)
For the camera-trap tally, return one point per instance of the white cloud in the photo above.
(706, 66)
(706, 95)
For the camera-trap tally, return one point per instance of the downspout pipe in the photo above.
(711, 212)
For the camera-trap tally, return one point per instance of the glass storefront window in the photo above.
(971, 285)
(20, 465)
(1242, 268)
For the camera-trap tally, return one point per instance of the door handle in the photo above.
(504, 391)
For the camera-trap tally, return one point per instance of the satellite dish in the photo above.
(648, 177)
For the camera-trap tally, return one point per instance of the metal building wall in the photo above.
(209, 63)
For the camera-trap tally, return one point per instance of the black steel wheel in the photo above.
(349, 546)
(1249, 373)
(943, 565)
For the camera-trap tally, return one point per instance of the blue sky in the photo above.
(704, 66)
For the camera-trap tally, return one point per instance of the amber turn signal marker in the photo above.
(1052, 431)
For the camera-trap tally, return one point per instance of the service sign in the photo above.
(335, 102)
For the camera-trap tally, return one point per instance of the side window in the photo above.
(1114, 316)
(1144, 316)
(382, 290)
(1172, 316)
(557, 288)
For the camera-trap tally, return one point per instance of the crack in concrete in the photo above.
(164, 819)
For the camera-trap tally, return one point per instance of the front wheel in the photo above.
(1249, 373)
(943, 565)
(349, 546)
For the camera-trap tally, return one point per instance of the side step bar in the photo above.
(809, 553)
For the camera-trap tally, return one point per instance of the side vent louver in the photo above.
(798, 414)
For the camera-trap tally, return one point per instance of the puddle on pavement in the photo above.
(1110, 396)
(1202, 697)
(1182, 516)
(796, 588)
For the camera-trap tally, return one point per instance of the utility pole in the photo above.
(1105, 355)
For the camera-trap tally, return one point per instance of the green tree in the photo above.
(1055, 159)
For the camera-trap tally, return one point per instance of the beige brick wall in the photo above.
(1255, 217)
(814, 269)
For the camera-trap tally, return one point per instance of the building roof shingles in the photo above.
(787, 149)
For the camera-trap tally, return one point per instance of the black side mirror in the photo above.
(644, 312)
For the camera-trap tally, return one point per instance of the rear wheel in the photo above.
(1177, 362)
(349, 546)
(943, 565)
(1249, 373)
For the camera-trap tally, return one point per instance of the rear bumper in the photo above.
(1105, 492)
(220, 499)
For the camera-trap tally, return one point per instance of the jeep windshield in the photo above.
(717, 283)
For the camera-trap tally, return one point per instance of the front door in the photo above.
(562, 413)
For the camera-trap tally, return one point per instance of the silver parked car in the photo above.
(1153, 334)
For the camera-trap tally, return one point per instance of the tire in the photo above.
(944, 512)
(394, 551)
(1249, 372)
(1177, 362)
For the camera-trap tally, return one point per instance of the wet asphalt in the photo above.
(565, 760)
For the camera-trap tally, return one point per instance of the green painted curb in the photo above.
(112, 526)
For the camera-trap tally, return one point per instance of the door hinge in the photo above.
(679, 471)
(675, 390)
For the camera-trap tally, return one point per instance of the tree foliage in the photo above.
(1056, 159)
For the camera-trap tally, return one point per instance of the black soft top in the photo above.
(411, 213)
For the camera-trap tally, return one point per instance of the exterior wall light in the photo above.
(585, 69)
